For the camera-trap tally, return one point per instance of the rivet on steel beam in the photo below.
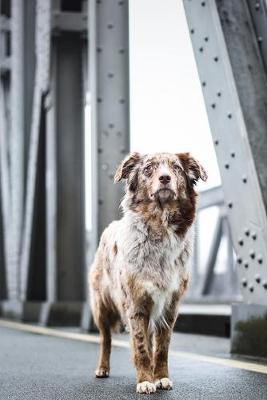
(230, 205)
(100, 202)
(206, 39)
(239, 260)
(213, 105)
(99, 100)
(98, 1)
(244, 282)
(204, 84)
(216, 59)
(99, 49)
(110, 26)
(100, 150)
(244, 179)
(203, 3)
(111, 126)
(252, 255)
(246, 264)
(201, 49)
(247, 232)
(240, 242)
(118, 133)
(251, 288)
(259, 39)
(216, 142)
(258, 278)
(233, 155)
(122, 51)
(227, 166)
(219, 94)
(265, 284)
(254, 236)
(257, 6)
(110, 75)
(229, 115)
(121, 3)
(260, 260)
(122, 101)
(192, 31)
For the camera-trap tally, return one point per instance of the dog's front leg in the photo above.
(141, 351)
(161, 373)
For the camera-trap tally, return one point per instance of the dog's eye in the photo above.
(176, 166)
(148, 169)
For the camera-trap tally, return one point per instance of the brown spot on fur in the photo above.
(115, 249)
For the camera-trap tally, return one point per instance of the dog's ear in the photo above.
(127, 166)
(192, 167)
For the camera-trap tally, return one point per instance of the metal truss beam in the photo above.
(225, 51)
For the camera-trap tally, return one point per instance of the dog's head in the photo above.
(160, 177)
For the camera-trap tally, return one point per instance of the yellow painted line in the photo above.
(244, 365)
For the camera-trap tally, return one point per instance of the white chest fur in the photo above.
(161, 299)
(154, 261)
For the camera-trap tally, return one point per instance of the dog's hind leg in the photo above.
(103, 367)
(106, 319)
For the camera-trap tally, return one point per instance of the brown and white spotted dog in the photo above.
(140, 269)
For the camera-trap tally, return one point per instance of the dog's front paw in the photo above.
(146, 387)
(102, 372)
(163, 383)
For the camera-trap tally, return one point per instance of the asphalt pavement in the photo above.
(38, 366)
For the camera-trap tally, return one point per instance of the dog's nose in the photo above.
(164, 179)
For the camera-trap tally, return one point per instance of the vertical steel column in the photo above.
(5, 181)
(109, 85)
(41, 81)
(4, 147)
(70, 168)
(16, 144)
(29, 72)
(51, 183)
(3, 289)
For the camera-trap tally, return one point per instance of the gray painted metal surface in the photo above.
(16, 145)
(52, 276)
(70, 218)
(5, 172)
(43, 29)
(5, 191)
(51, 184)
(109, 84)
(244, 198)
(258, 11)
